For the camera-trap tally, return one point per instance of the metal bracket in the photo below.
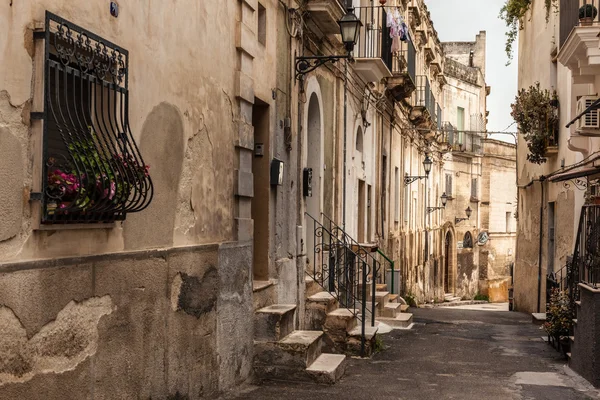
(36, 115)
(304, 65)
(432, 209)
(39, 35)
(35, 196)
(410, 179)
(459, 220)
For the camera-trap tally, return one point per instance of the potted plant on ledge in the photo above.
(587, 14)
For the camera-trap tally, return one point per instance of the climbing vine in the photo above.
(512, 13)
(535, 111)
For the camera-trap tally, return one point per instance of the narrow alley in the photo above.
(450, 354)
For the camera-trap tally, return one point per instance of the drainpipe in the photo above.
(539, 297)
(345, 143)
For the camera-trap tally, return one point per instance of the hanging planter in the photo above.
(536, 114)
(587, 13)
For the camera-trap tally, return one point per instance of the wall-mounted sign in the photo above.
(114, 9)
(276, 172)
(482, 238)
(459, 245)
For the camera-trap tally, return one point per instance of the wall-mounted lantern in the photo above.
(468, 211)
(427, 163)
(349, 29)
(444, 200)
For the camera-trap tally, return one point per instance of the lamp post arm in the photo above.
(304, 65)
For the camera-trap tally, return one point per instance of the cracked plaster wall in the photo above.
(181, 113)
(135, 325)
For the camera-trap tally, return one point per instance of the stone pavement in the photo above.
(450, 354)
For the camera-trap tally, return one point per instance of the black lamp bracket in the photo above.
(304, 65)
(410, 179)
(459, 220)
(432, 209)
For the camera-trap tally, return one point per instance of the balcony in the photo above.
(325, 14)
(414, 13)
(580, 49)
(403, 81)
(424, 111)
(373, 50)
(463, 143)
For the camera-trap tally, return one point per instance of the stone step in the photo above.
(317, 308)
(402, 320)
(311, 286)
(328, 368)
(263, 294)
(274, 322)
(578, 302)
(572, 339)
(390, 310)
(538, 318)
(381, 287)
(354, 340)
(569, 356)
(288, 358)
(382, 298)
(394, 298)
(339, 319)
(452, 299)
(404, 307)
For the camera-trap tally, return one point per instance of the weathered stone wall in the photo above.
(144, 324)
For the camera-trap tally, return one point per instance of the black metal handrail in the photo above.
(382, 266)
(565, 279)
(345, 271)
(465, 142)
(586, 257)
(374, 40)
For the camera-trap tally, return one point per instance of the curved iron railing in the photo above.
(343, 269)
(93, 171)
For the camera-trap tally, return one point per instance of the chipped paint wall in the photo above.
(183, 114)
(537, 39)
(145, 324)
(161, 303)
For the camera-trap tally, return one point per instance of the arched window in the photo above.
(468, 241)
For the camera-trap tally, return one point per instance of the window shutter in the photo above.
(449, 185)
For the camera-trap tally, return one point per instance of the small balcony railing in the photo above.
(587, 248)
(463, 142)
(404, 61)
(423, 96)
(374, 40)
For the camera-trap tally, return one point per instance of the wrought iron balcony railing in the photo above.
(423, 96)
(404, 62)
(374, 40)
(464, 142)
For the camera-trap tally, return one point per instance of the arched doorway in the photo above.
(448, 263)
(313, 161)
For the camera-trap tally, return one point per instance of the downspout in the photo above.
(539, 297)
(345, 144)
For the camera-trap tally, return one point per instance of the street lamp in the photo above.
(468, 211)
(444, 199)
(349, 29)
(427, 163)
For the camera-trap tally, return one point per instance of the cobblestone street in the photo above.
(451, 354)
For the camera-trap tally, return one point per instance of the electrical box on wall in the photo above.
(259, 149)
(276, 172)
(307, 182)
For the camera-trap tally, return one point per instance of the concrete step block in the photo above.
(274, 322)
(311, 286)
(263, 294)
(381, 287)
(402, 320)
(328, 368)
(317, 308)
(353, 346)
(394, 298)
(404, 307)
(538, 318)
(340, 319)
(293, 354)
(390, 310)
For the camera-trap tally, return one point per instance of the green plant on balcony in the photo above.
(512, 13)
(587, 13)
(535, 111)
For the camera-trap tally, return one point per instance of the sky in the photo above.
(460, 21)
